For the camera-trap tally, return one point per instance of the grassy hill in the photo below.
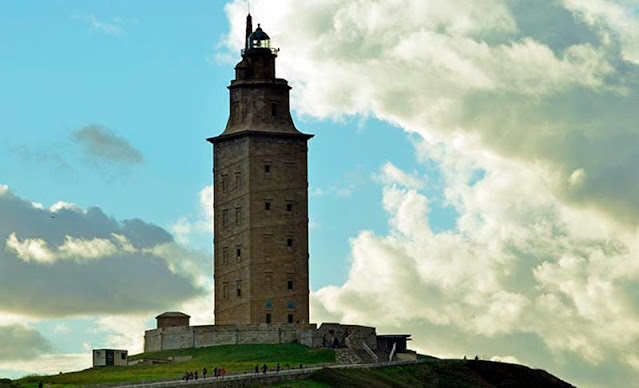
(439, 374)
(232, 357)
(433, 373)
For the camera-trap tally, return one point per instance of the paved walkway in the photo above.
(246, 378)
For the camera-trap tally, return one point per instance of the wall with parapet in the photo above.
(214, 335)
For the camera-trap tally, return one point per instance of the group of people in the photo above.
(221, 372)
(265, 368)
(193, 375)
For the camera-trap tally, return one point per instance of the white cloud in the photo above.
(391, 174)
(199, 224)
(61, 328)
(112, 27)
(50, 363)
(66, 261)
(531, 121)
(615, 21)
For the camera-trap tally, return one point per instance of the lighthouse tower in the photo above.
(260, 198)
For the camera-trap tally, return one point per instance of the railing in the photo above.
(274, 51)
(392, 353)
(370, 352)
(348, 342)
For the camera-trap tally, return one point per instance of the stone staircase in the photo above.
(347, 356)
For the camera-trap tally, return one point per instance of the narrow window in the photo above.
(238, 254)
(289, 242)
(269, 281)
(268, 317)
(225, 183)
(290, 318)
(289, 207)
(274, 109)
(238, 180)
(267, 168)
(238, 216)
(239, 288)
(225, 218)
(225, 255)
(267, 206)
(290, 284)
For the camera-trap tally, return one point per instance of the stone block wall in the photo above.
(215, 335)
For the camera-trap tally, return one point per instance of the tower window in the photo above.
(289, 242)
(267, 168)
(269, 304)
(290, 318)
(289, 284)
(225, 183)
(267, 206)
(290, 305)
(274, 109)
(289, 207)
(239, 288)
(225, 255)
(268, 317)
(238, 216)
(225, 218)
(238, 254)
(238, 180)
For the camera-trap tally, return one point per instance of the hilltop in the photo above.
(432, 372)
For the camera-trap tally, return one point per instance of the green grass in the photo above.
(433, 372)
(232, 357)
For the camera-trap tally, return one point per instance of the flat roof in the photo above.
(395, 336)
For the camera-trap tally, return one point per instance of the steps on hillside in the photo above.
(347, 356)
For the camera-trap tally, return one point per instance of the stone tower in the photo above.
(260, 198)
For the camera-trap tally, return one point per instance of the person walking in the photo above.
(278, 367)
(204, 371)
(257, 369)
(264, 368)
(215, 372)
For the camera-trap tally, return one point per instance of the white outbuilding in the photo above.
(110, 357)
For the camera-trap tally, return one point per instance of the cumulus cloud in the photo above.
(100, 143)
(532, 81)
(200, 223)
(529, 110)
(518, 269)
(65, 261)
(19, 342)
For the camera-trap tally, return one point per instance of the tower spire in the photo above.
(249, 29)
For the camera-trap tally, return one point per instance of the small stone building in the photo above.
(172, 319)
(110, 357)
(395, 345)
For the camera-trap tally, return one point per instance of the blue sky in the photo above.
(473, 171)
